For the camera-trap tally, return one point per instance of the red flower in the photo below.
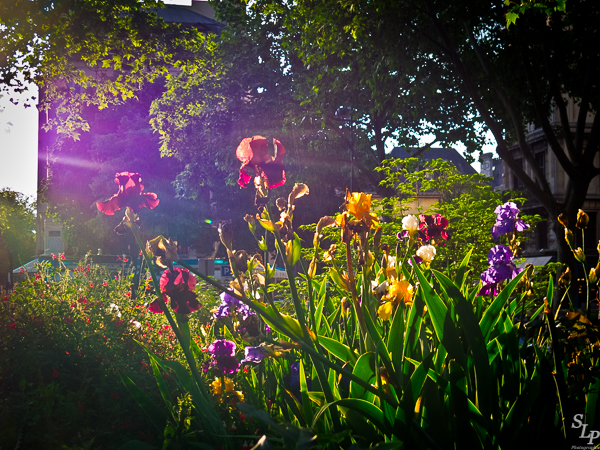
(433, 226)
(253, 152)
(178, 285)
(130, 194)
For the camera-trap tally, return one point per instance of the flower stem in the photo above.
(186, 349)
(246, 301)
(293, 290)
(308, 342)
(357, 307)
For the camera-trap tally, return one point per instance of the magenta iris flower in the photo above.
(178, 285)
(507, 221)
(222, 347)
(433, 227)
(130, 194)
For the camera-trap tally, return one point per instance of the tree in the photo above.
(82, 173)
(510, 77)
(361, 97)
(17, 238)
(243, 90)
(83, 52)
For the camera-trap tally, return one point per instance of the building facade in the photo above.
(544, 242)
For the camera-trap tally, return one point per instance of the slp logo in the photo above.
(577, 423)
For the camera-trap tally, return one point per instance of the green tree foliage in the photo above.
(84, 52)
(337, 105)
(82, 173)
(507, 78)
(467, 201)
(245, 89)
(17, 239)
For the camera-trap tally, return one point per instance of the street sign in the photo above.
(226, 271)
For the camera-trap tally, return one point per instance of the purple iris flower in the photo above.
(499, 254)
(231, 304)
(222, 347)
(507, 221)
(227, 365)
(501, 268)
(417, 259)
(223, 356)
(254, 354)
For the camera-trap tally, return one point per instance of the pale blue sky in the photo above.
(18, 144)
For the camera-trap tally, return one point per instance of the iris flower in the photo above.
(433, 227)
(178, 285)
(507, 221)
(254, 354)
(222, 352)
(230, 306)
(359, 205)
(217, 388)
(397, 291)
(253, 152)
(501, 268)
(130, 194)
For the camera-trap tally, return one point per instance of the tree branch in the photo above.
(545, 197)
(591, 148)
(522, 139)
(426, 147)
(551, 68)
(542, 116)
(584, 107)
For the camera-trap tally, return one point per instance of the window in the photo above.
(517, 184)
(541, 233)
(540, 160)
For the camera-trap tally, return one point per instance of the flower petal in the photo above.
(110, 206)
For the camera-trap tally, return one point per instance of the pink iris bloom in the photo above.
(130, 194)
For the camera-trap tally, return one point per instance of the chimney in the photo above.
(486, 164)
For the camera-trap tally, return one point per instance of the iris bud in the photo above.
(582, 220)
(565, 279)
(569, 237)
(564, 220)
(579, 255)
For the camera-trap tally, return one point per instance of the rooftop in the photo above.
(447, 154)
(186, 17)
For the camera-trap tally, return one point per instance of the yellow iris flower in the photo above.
(397, 291)
(217, 388)
(359, 205)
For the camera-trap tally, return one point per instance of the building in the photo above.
(493, 168)
(426, 199)
(544, 242)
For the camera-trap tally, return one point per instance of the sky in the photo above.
(18, 144)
